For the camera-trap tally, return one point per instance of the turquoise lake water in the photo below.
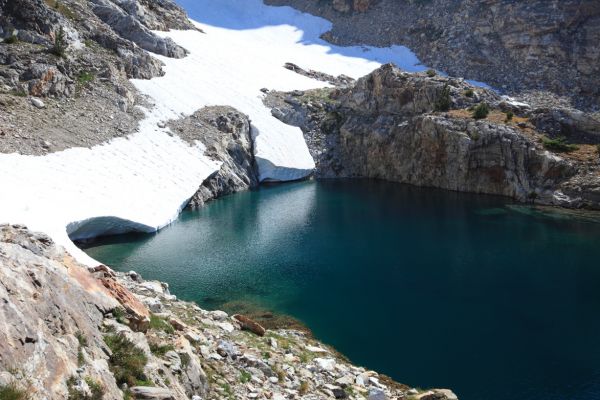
(434, 288)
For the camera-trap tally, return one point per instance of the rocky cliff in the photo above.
(420, 129)
(67, 332)
(516, 46)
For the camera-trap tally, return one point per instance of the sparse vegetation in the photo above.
(598, 149)
(185, 360)
(81, 339)
(127, 362)
(245, 376)
(444, 101)
(160, 324)
(119, 315)
(12, 392)
(469, 93)
(160, 350)
(96, 389)
(82, 343)
(559, 145)
(509, 116)
(61, 8)
(431, 73)
(19, 93)
(303, 388)
(481, 111)
(11, 39)
(60, 43)
(85, 77)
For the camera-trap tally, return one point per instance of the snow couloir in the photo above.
(141, 182)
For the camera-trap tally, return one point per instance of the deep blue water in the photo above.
(436, 289)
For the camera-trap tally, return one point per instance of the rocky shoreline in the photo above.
(131, 338)
(420, 129)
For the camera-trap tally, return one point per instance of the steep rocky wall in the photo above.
(512, 45)
(394, 126)
(226, 134)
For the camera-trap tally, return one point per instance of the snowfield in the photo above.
(141, 182)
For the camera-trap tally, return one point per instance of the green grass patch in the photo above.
(559, 145)
(127, 362)
(160, 324)
(160, 350)
(245, 376)
(509, 116)
(431, 73)
(12, 392)
(85, 77)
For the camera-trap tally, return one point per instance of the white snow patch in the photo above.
(141, 182)
(243, 50)
(136, 183)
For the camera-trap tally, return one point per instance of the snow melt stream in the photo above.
(141, 182)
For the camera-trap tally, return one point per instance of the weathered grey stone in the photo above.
(151, 393)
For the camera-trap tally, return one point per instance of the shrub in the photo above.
(509, 116)
(127, 362)
(481, 111)
(431, 73)
(469, 92)
(559, 145)
(598, 149)
(60, 43)
(159, 324)
(443, 101)
(11, 392)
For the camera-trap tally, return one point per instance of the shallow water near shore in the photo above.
(434, 288)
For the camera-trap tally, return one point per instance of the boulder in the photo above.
(151, 393)
(250, 325)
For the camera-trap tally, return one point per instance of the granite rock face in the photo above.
(512, 45)
(419, 129)
(225, 132)
(46, 300)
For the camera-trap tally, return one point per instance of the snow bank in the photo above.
(141, 182)
(136, 183)
(244, 48)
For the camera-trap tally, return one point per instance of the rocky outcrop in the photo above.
(512, 45)
(47, 302)
(127, 26)
(64, 335)
(419, 129)
(225, 132)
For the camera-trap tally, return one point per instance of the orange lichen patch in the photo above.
(39, 88)
(124, 296)
(89, 283)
